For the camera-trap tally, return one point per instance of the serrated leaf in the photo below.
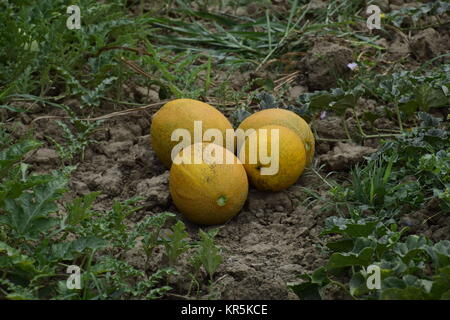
(12, 154)
(70, 250)
(240, 114)
(267, 101)
(176, 243)
(11, 257)
(80, 208)
(28, 215)
(208, 254)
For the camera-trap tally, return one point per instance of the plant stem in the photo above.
(368, 136)
(88, 270)
(321, 178)
(287, 32)
(346, 129)
(332, 140)
(397, 110)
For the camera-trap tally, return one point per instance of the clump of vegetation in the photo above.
(403, 175)
(38, 242)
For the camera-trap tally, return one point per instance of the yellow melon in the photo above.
(205, 191)
(275, 162)
(181, 114)
(285, 118)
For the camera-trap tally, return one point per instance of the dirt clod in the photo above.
(110, 181)
(426, 44)
(345, 155)
(325, 63)
(155, 191)
(330, 127)
(399, 48)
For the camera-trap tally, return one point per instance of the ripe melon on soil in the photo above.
(208, 193)
(292, 158)
(181, 114)
(285, 118)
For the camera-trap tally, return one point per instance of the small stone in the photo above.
(259, 214)
(147, 94)
(294, 92)
(409, 221)
(45, 156)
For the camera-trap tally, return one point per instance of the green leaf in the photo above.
(319, 276)
(17, 292)
(349, 259)
(342, 245)
(441, 284)
(310, 287)
(239, 114)
(80, 208)
(70, 250)
(151, 227)
(208, 254)
(358, 285)
(306, 290)
(12, 154)
(267, 101)
(13, 109)
(408, 293)
(176, 242)
(440, 253)
(413, 246)
(338, 225)
(427, 120)
(410, 107)
(28, 215)
(10, 257)
(266, 84)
